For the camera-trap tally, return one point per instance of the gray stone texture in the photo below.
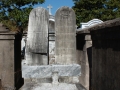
(45, 71)
(10, 60)
(65, 44)
(84, 55)
(106, 55)
(37, 39)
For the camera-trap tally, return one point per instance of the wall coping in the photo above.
(106, 24)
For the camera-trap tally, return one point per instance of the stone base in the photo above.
(45, 71)
(51, 77)
(49, 86)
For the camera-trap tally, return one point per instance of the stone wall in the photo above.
(106, 55)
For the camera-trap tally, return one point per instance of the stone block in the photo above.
(10, 60)
(45, 71)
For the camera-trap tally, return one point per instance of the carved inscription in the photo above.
(65, 12)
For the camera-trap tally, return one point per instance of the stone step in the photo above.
(49, 86)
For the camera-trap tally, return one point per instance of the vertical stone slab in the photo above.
(37, 40)
(65, 48)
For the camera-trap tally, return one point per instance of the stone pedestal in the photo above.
(49, 77)
(10, 60)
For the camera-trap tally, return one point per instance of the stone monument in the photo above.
(37, 39)
(57, 76)
(65, 40)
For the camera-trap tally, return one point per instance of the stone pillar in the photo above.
(37, 39)
(10, 60)
(84, 55)
(65, 40)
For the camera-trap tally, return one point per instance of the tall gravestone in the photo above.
(65, 46)
(37, 40)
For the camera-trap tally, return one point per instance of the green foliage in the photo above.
(15, 13)
(102, 9)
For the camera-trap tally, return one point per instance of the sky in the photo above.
(56, 4)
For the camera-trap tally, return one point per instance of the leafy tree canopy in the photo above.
(102, 9)
(15, 13)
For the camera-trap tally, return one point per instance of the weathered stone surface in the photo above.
(65, 44)
(45, 71)
(51, 52)
(49, 86)
(10, 61)
(84, 53)
(37, 41)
